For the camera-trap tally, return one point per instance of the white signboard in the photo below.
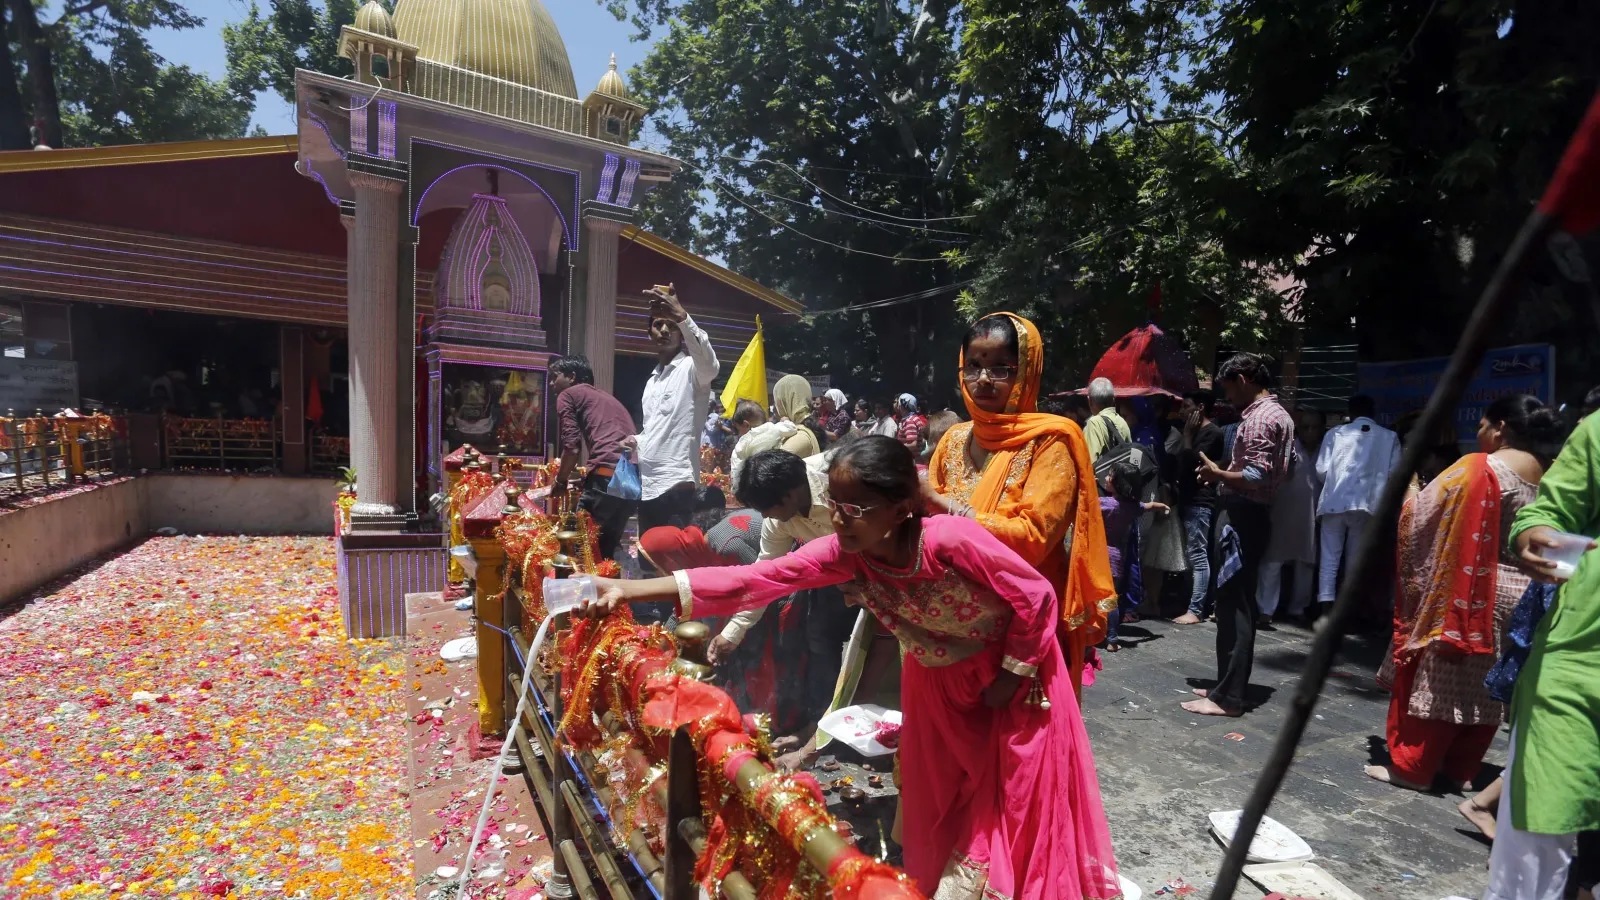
(30, 384)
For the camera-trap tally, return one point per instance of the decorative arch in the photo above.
(486, 255)
(567, 233)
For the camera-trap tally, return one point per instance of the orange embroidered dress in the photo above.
(1036, 493)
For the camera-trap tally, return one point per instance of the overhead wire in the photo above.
(787, 227)
(792, 169)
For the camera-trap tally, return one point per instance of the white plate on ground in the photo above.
(1299, 879)
(1273, 842)
(857, 726)
(459, 649)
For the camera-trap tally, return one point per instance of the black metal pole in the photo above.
(1441, 407)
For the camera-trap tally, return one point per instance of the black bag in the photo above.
(1138, 458)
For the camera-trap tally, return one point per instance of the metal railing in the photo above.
(39, 453)
(226, 444)
(329, 453)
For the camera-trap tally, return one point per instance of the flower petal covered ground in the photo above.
(188, 720)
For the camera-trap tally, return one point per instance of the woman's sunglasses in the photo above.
(850, 510)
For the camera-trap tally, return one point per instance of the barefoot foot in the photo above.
(1201, 692)
(1205, 707)
(1187, 619)
(1382, 773)
(1479, 816)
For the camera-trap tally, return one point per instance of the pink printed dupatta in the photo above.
(1449, 544)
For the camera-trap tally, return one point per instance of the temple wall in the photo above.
(43, 542)
(240, 504)
(39, 543)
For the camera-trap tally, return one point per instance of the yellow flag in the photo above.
(749, 378)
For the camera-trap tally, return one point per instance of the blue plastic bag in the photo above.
(624, 480)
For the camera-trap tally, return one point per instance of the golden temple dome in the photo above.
(374, 19)
(612, 84)
(514, 41)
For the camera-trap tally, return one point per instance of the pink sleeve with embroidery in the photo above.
(980, 558)
(725, 590)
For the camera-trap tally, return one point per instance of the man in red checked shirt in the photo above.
(1263, 455)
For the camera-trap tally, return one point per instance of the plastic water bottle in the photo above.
(563, 594)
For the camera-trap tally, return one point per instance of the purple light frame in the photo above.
(524, 283)
(608, 178)
(6, 236)
(386, 128)
(630, 177)
(566, 232)
(359, 140)
(574, 239)
(74, 275)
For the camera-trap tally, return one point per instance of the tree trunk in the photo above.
(13, 122)
(41, 70)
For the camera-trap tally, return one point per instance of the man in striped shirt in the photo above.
(1263, 455)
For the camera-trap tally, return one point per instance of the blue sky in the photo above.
(591, 33)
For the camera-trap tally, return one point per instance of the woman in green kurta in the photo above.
(1554, 787)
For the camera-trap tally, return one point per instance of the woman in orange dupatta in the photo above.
(1455, 590)
(1027, 478)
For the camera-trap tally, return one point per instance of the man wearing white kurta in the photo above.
(1353, 464)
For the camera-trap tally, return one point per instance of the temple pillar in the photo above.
(292, 384)
(374, 377)
(600, 313)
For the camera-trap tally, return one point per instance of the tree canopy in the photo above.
(90, 77)
(265, 49)
(1261, 161)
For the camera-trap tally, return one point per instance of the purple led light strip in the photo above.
(92, 248)
(565, 231)
(526, 267)
(630, 177)
(608, 178)
(476, 329)
(358, 128)
(340, 151)
(164, 286)
(577, 180)
(386, 127)
(451, 263)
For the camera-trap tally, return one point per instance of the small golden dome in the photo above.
(374, 19)
(510, 40)
(612, 84)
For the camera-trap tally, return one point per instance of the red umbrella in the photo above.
(1147, 361)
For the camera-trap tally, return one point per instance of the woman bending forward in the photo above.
(998, 789)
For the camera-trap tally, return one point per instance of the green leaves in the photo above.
(265, 49)
(113, 88)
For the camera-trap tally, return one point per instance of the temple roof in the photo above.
(508, 41)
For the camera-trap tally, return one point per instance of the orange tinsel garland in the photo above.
(618, 666)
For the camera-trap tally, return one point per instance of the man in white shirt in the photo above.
(675, 400)
(792, 496)
(883, 419)
(1353, 464)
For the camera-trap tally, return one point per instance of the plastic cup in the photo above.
(563, 594)
(1570, 548)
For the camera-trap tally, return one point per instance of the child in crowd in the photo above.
(1120, 508)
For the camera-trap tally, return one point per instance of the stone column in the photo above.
(373, 263)
(600, 319)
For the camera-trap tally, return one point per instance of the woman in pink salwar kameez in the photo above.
(998, 789)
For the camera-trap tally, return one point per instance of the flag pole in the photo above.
(1567, 201)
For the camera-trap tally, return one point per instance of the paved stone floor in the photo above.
(1163, 770)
